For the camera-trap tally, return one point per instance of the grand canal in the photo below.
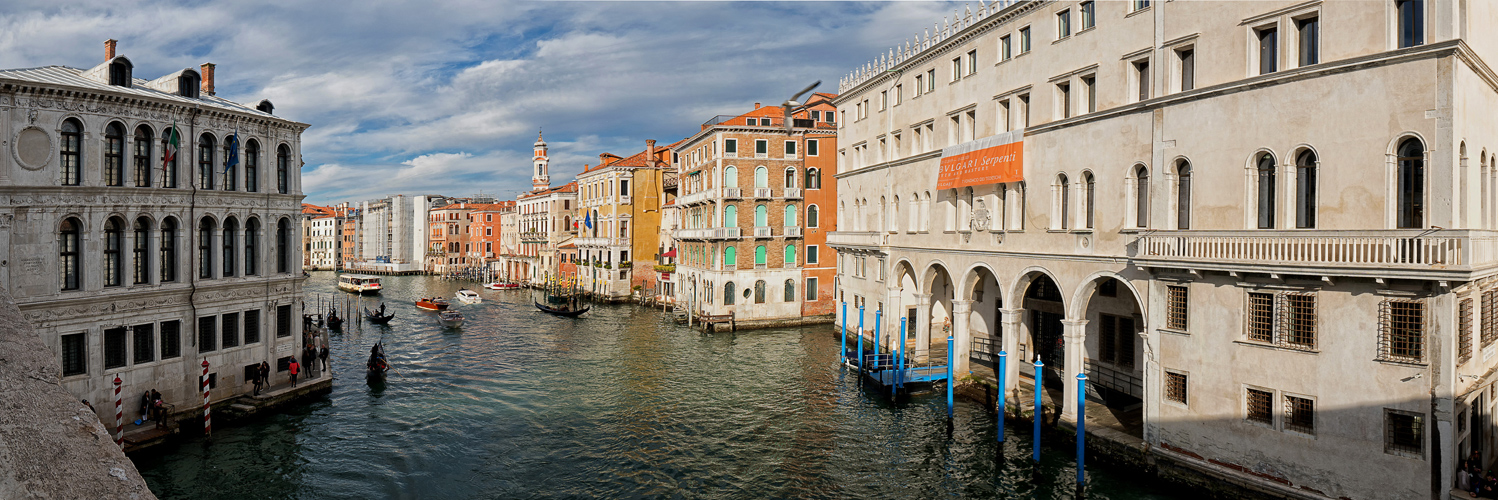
(621, 403)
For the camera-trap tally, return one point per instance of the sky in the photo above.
(446, 96)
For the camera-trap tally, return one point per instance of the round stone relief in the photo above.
(33, 148)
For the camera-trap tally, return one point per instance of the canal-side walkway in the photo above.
(225, 411)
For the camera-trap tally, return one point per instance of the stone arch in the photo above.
(1077, 306)
(1014, 299)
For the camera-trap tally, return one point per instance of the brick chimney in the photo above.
(756, 105)
(207, 74)
(650, 152)
(109, 48)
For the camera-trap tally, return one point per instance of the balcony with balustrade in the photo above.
(732, 193)
(708, 233)
(793, 193)
(699, 197)
(598, 242)
(1397, 253)
(866, 239)
(792, 232)
(763, 232)
(764, 193)
(533, 237)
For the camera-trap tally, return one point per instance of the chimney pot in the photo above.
(109, 48)
(756, 105)
(207, 74)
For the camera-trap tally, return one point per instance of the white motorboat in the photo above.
(467, 296)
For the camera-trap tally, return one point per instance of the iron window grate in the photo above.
(1259, 410)
(1404, 432)
(1402, 331)
(1175, 309)
(1464, 331)
(1261, 317)
(1300, 414)
(1489, 308)
(1175, 387)
(1300, 320)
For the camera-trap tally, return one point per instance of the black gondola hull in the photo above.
(561, 312)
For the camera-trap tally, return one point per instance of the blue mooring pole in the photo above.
(1003, 358)
(899, 363)
(843, 332)
(877, 315)
(860, 339)
(1038, 412)
(1081, 429)
(950, 357)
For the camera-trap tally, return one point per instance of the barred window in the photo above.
(1300, 414)
(251, 327)
(1464, 331)
(114, 348)
(145, 343)
(1175, 307)
(74, 354)
(231, 330)
(283, 321)
(1404, 432)
(1402, 331)
(1489, 307)
(1301, 320)
(207, 333)
(1175, 387)
(1259, 410)
(1261, 317)
(171, 339)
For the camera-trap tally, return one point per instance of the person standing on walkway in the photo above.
(323, 355)
(265, 375)
(158, 409)
(295, 367)
(259, 380)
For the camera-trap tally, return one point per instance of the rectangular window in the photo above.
(207, 333)
(811, 289)
(283, 321)
(1142, 74)
(1176, 313)
(1404, 432)
(972, 61)
(1464, 331)
(956, 68)
(761, 147)
(1063, 24)
(1258, 406)
(811, 148)
(1024, 39)
(1411, 22)
(883, 100)
(730, 146)
(1300, 320)
(1024, 109)
(145, 342)
(1006, 48)
(1300, 414)
(1310, 40)
(252, 327)
(1268, 48)
(1175, 387)
(920, 86)
(1261, 317)
(1063, 96)
(74, 354)
(1004, 116)
(114, 348)
(899, 94)
(171, 339)
(1141, 5)
(1188, 68)
(1089, 85)
(811, 254)
(230, 326)
(1088, 15)
(1402, 331)
(790, 148)
(931, 80)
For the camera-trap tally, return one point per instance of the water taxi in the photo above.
(467, 296)
(362, 284)
(450, 319)
(502, 285)
(432, 303)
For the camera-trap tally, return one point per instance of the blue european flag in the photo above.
(233, 152)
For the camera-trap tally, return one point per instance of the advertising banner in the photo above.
(992, 159)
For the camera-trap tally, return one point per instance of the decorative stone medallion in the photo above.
(33, 148)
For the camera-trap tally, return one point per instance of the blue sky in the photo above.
(445, 97)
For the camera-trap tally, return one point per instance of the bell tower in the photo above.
(540, 179)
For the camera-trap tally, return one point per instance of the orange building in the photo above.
(819, 268)
(486, 231)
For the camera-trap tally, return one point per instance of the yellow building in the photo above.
(619, 214)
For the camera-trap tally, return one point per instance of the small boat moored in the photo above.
(450, 319)
(362, 284)
(432, 303)
(563, 310)
(467, 296)
(502, 285)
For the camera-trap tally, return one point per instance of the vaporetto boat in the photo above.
(362, 284)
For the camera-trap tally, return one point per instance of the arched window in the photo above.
(170, 144)
(168, 260)
(759, 292)
(67, 253)
(1305, 189)
(812, 217)
(114, 244)
(141, 251)
(1411, 189)
(790, 177)
(730, 256)
(283, 246)
(1265, 187)
(252, 167)
(790, 216)
(790, 290)
(813, 178)
(70, 152)
(142, 159)
(205, 162)
(231, 172)
(205, 248)
(728, 294)
(1141, 197)
(730, 177)
(761, 216)
(230, 244)
(283, 167)
(1063, 202)
(1089, 198)
(251, 246)
(1183, 195)
(730, 216)
(759, 255)
(114, 155)
(790, 254)
(761, 177)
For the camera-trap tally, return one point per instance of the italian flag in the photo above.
(172, 143)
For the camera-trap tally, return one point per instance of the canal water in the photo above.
(621, 403)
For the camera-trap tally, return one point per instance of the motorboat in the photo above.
(362, 284)
(467, 296)
(502, 285)
(450, 319)
(378, 318)
(432, 303)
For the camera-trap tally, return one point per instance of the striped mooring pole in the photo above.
(119, 413)
(207, 410)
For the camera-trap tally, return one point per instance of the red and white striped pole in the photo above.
(119, 413)
(207, 413)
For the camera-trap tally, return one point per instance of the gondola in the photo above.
(559, 311)
(450, 319)
(377, 319)
(334, 321)
(377, 364)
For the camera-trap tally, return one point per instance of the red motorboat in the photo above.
(432, 304)
(500, 285)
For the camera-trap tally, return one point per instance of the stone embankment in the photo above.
(51, 445)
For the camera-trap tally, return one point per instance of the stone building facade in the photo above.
(619, 207)
(132, 266)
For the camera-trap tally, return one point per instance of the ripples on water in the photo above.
(619, 404)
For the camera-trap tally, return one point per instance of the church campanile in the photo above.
(539, 177)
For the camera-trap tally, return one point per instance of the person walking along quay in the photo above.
(294, 367)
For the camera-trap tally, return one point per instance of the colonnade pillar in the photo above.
(1073, 332)
(922, 327)
(892, 314)
(1012, 319)
(962, 335)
